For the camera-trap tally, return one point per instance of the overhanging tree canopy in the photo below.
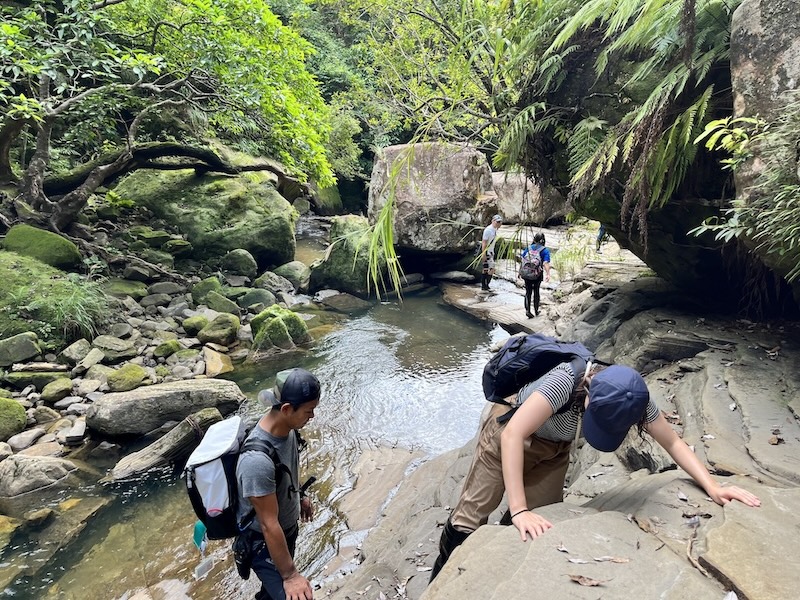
(101, 78)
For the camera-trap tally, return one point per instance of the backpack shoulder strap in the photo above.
(578, 365)
(265, 446)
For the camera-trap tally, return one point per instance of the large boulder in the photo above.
(345, 266)
(50, 248)
(765, 72)
(441, 193)
(144, 409)
(521, 200)
(219, 214)
(18, 348)
(22, 477)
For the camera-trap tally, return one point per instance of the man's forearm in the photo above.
(279, 550)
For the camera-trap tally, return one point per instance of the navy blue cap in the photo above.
(295, 386)
(618, 398)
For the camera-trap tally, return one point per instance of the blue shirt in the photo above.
(545, 253)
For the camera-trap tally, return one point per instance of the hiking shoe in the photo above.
(529, 315)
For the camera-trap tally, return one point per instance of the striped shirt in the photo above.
(556, 386)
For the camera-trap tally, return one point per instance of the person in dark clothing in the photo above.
(532, 286)
(278, 502)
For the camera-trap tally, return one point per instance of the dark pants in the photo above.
(532, 286)
(264, 568)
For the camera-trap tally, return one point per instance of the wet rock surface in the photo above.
(634, 524)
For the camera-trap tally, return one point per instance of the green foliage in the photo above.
(59, 308)
(653, 143)
(732, 135)
(104, 74)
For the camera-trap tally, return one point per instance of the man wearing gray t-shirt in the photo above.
(275, 494)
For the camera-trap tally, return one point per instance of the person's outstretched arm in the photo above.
(688, 461)
(528, 418)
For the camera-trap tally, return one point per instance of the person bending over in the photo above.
(534, 444)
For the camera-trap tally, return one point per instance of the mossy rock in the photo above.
(278, 334)
(12, 418)
(157, 257)
(193, 325)
(6, 393)
(202, 288)
(218, 302)
(167, 348)
(183, 356)
(18, 348)
(219, 214)
(256, 296)
(328, 200)
(153, 238)
(296, 327)
(56, 390)
(177, 247)
(262, 341)
(39, 379)
(297, 272)
(163, 371)
(34, 297)
(239, 262)
(234, 293)
(45, 246)
(121, 288)
(222, 330)
(258, 322)
(126, 378)
(262, 326)
(346, 266)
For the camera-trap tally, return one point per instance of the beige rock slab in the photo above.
(494, 563)
(378, 472)
(756, 550)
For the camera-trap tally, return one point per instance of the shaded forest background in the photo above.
(624, 106)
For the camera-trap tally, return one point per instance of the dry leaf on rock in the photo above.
(775, 440)
(422, 569)
(562, 548)
(682, 496)
(578, 561)
(588, 581)
(614, 559)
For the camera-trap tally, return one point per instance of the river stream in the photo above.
(402, 374)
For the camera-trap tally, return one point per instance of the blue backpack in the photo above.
(523, 359)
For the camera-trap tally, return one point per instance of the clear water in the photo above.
(401, 374)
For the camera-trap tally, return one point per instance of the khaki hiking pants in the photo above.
(544, 470)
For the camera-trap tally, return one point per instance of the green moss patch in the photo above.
(45, 246)
(12, 418)
(58, 307)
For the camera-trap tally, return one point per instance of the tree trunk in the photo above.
(8, 135)
(66, 210)
(176, 444)
(33, 181)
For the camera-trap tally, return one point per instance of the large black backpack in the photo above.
(525, 358)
